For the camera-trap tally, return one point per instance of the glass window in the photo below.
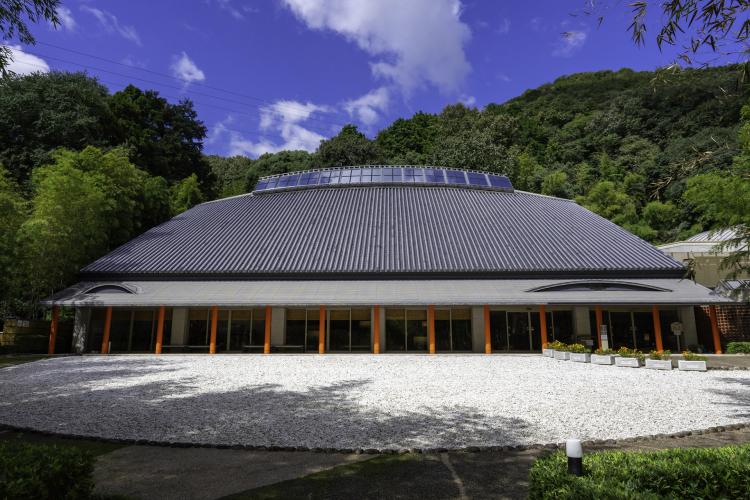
(361, 330)
(261, 185)
(455, 177)
(395, 330)
(240, 329)
(643, 322)
(198, 326)
(461, 329)
(338, 324)
(416, 330)
(356, 176)
(442, 329)
(476, 179)
(96, 329)
(141, 340)
(166, 337)
(670, 341)
(518, 331)
(499, 330)
(295, 327)
(562, 326)
(419, 175)
(259, 327)
(119, 330)
(434, 176)
(325, 177)
(313, 330)
(377, 175)
(335, 177)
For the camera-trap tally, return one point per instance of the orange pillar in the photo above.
(715, 329)
(322, 331)
(159, 329)
(543, 325)
(487, 335)
(267, 340)
(598, 312)
(53, 330)
(431, 327)
(214, 324)
(376, 330)
(107, 326)
(657, 327)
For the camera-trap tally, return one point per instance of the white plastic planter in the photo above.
(562, 355)
(627, 362)
(692, 366)
(659, 364)
(548, 353)
(580, 357)
(602, 359)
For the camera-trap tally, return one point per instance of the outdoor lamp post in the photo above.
(575, 456)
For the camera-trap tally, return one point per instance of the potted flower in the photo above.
(579, 353)
(551, 347)
(692, 362)
(603, 357)
(630, 358)
(562, 351)
(659, 360)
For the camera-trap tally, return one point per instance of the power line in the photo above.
(291, 109)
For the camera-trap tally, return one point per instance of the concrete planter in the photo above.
(562, 355)
(627, 362)
(659, 364)
(548, 353)
(602, 359)
(580, 357)
(692, 366)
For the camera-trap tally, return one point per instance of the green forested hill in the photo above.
(664, 154)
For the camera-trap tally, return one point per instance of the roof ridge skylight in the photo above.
(384, 175)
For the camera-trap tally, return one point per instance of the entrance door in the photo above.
(338, 328)
(499, 330)
(518, 331)
(622, 330)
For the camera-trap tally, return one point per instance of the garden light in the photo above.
(575, 456)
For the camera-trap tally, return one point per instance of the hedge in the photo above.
(738, 348)
(676, 473)
(33, 471)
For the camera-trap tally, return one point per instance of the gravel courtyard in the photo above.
(363, 401)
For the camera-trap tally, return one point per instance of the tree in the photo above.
(556, 184)
(230, 174)
(163, 139)
(42, 112)
(348, 147)
(607, 200)
(408, 141)
(279, 163)
(12, 24)
(12, 214)
(186, 194)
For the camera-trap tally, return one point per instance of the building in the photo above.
(705, 252)
(383, 259)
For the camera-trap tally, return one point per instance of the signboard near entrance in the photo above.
(603, 335)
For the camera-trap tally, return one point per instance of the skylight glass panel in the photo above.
(325, 177)
(455, 177)
(477, 179)
(500, 181)
(434, 176)
(261, 185)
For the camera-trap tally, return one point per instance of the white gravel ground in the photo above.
(363, 401)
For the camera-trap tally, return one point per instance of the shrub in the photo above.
(691, 356)
(676, 473)
(738, 348)
(558, 346)
(580, 348)
(660, 355)
(41, 471)
(624, 352)
(604, 352)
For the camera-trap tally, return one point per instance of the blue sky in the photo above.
(267, 75)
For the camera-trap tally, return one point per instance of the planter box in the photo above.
(602, 359)
(692, 366)
(562, 355)
(627, 362)
(548, 353)
(580, 357)
(659, 364)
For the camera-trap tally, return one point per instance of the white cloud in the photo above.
(413, 43)
(236, 12)
(468, 100)
(570, 42)
(66, 18)
(283, 119)
(504, 27)
(185, 69)
(367, 108)
(111, 24)
(24, 64)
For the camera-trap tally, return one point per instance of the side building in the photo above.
(384, 259)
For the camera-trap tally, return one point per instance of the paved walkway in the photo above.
(199, 473)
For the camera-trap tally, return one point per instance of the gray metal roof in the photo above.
(289, 293)
(380, 231)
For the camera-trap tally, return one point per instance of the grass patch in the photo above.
(95, 448)
(17, 359)
(384, 476)
(676, 473)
